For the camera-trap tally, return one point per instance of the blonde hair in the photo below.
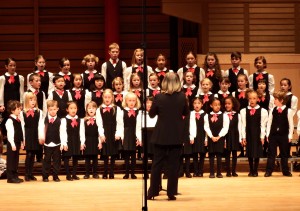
(89, 57)
(171, 83)
(130, 81)
(207, 80)
(113, 45)
(281, 96)
(129, 95)
(28, 97)
(117, 79)
(134, 53)
(93, 104)
(52, 103)
(109, 91)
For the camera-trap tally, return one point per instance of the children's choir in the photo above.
(100, 113)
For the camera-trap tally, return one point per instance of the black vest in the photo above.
(113, 72)
(289, 100)
(265, 77)
(233, 79)
(11, 91)
(52, 131)
(62, 103)
(86, 81)
(40, 99)
(280, 123)
(18, 135)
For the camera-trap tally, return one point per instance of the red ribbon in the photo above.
(114, 61)
(225, 95)
(60, 92)
(252, 111)
(30, 112)
(98, 93)
(279, 110)
(188, 92)
(51, 120)
(191, 69)
(205, 99)
(119, 97)
(161, 73)
(230, 115)
(131, 112)
(242, 95)
(11, 79)
(74, 123)
(107, 109)
(235, 71)
(41, 73)
(155, 92)
(197, 115)
(139, 69)
(66, 77)
(91, 121)
(260, 76)
(36, 92)
(91, 76)
(214, 118)
(210, 73)
(137, 93)
(77, 94)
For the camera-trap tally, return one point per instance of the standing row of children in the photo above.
(207, 83)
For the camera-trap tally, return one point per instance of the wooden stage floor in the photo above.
(240, 193)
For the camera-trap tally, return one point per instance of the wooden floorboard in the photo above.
(241, 193)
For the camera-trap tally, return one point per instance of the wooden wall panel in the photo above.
(74, 28)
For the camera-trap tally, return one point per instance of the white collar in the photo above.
(70, 117)
(7, 74)
(256, 107)
(127, 109)
(221, 92)
(158, 70)
(105, 106)
(33, 89)
(13, 116)
(157, 88)
(194, 66)
(215, 113)
(88, 72)
(115, 93)
(200, 112)
(289, 93)
(238, 68)
(230, 112)
(63, 74)
(263, 72)
(244, 90)
(209, 93)
(112, 61)
(282, 107)
(193, 86)
(54, 117)
(37, 71)
(75, 89)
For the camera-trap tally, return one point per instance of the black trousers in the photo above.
(75, 159)
(212, 156)
(127, 156)
(88, 159)
(170, 154)
(29, 161)
(51, 154)
(112, 164)
(12, 161)
(283, 143)
(253, 164)
(234, 161)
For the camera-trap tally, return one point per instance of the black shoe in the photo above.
(27, 178)
(165, 176)
(104, 176)
(200, 175)
(74, 177)
(126, 176)
(234, 174)
(255, 174)
(250, 174)
(96, 176)
(287, 174)
(188, 175)
(21, 180)
(13, 180)
(228, 175)
(219, 175)
(195, 175)
(180, 175)
(111, 176)
(171, 197)
(212, 176)
(69, 178)
(86, 176)
(32, 178)
(56, 179)
(149, 197)
(267, 174)
(45, 180)
(133, 176)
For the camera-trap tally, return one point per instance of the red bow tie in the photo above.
(41, 73)
(197, 115)
(74, 123)
(91, 121)
(191, 69)
(91, 76)
(214, 118)
(139, 69)
(119, 97)
(210, 73)
(183, 117)
(51, 120)
(161, 73)
(106, 109)
(230, 115)
(260, 76)
(11, 79)
(188, 92)
(242, 95)
(18, 119)
(279, 110)
(205, 98)
(60, 92)
(225, 95)
(66, 77)
(252, 111)
(235, 71)
(30, 112)
(98, 93)
(131, 112)
(36, 92)
(77, 94)
(137, 93)
(155, 92)
(114, 61)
